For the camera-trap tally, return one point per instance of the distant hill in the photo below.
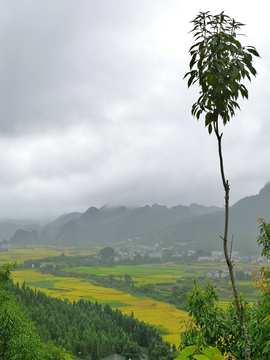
(9, 227)
(204, 231)
(24, 237)
(105, 225)
(196, 225)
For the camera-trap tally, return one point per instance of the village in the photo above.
(129, 250)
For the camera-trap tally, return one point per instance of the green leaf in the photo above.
(252, 70)
(248, 58)
(201, 357)
(211, 350)
(195, 45)
(189, 350)
(193, 60)
(186, 74)
(208, 118)
(218, 357)
(180, 357)
(244, 92)
(192, 77)
(199, 112)
(253, 51)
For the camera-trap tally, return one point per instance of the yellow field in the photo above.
(158, 314)
(153, 312)
(35, 253)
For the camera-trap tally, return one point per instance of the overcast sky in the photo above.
(94, 111)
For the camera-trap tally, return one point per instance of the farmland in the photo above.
(165, 276)
(19, 255)
(140, 275)
(164, 316)
(75, 283)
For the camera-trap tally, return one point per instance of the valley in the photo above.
(154, 292)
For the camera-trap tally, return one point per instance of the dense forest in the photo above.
(84, 328)
(18, 335)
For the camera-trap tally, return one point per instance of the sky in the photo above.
(94, 110)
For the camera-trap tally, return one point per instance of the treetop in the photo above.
(219, 63)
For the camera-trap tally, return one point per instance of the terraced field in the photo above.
(164, 316)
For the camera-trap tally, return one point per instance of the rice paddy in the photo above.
(34, 253)
(162, 315)
(140, 275)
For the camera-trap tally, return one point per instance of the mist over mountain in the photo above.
(196, 225)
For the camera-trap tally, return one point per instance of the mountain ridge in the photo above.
(197, 225)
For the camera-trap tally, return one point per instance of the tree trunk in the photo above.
(226, 186)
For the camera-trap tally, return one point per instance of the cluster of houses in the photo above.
(224, 273)
(218, 256)
(4, 245)
(130, 248)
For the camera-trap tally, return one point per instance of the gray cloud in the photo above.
(93, 109)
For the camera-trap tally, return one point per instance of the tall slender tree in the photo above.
(220, 63)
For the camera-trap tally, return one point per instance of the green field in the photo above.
(140, 275)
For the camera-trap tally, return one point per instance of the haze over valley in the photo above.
(191, 227)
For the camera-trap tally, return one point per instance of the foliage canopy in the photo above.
(219, 63)
(209, 325)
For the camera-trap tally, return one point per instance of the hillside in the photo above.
(197, 225)
(205, 230)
